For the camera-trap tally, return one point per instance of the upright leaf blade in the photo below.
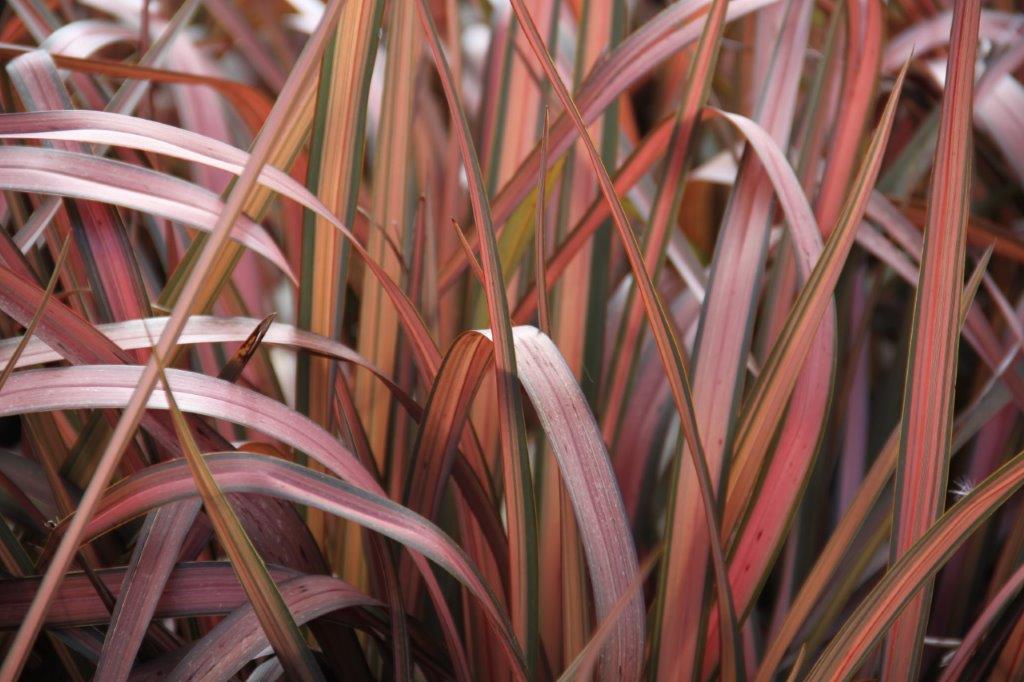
(774, 386)
(664, 335)
(931, 373)
(721, 352)
(378, 330)
(519, 498)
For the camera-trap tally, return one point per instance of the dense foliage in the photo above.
(530, 339)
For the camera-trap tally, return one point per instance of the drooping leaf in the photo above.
(100, 234)
(192, 589)
(29, 628)
(51, 171)
(245, 472)
(238, 638)
(267, 602)
(772, 390)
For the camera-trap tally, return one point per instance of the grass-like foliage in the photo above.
(511, 339)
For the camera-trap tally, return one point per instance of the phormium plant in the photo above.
(511, 339)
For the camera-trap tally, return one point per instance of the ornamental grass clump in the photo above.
(511, 339)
